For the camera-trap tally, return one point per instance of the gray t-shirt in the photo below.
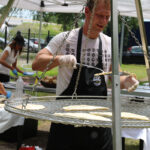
(9, 60)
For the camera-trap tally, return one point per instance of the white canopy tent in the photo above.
(125, 7)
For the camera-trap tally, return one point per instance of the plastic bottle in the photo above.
(19, 88)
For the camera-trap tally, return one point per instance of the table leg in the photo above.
(19, 136)
(141, 144)
(123, 143)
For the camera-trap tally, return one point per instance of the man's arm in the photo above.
(42, 59)
(128, 82)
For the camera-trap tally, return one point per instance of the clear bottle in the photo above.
(19, 88)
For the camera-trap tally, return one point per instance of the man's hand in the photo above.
(68, 60)
(130, 83)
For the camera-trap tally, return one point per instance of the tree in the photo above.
(67, 20)
(47, 17)
(5, 11)
(133, 25)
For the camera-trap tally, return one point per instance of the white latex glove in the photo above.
(130, 83)
(68, 60)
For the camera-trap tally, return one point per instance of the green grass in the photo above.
(52, 72)
(39, 93)
(139, 70)
(131, 144)
(23, 56)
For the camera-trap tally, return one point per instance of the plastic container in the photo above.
(19, 88)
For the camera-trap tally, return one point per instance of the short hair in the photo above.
(90, 3)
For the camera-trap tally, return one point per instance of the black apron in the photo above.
(68, 137)
(88, 84)
(4, 78)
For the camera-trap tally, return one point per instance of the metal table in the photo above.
(12, 85)
(128, 104)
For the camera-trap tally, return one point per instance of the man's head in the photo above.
(101, 16)
(90, 3)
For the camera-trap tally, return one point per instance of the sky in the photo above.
(22, 14)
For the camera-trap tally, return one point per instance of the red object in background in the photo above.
(27, 148)
(36, 42)
(129, 49)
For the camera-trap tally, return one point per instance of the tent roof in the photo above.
(125, 7)
(74, 6)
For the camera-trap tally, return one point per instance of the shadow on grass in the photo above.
(131, 144)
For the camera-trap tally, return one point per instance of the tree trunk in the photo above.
(6, 12)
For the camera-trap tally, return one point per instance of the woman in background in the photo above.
(8, 59)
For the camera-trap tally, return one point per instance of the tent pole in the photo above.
(40, 27)
(29, 33)
(41, 18)
(6, 12)
(143, 36)
(116, 121)
(121, 42)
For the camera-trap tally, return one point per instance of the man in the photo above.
(89, 46)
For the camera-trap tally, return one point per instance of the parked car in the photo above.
(32, 47)
(43, 42)
(134, 55)
(36, 41)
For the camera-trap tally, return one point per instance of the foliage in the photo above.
(46, 17)
(1, 34)
(34, 29)
(133, 24)
(2, 9)
(66, 19)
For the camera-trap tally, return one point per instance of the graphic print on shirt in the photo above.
(97, 80)
(91, 56)
(106, 59)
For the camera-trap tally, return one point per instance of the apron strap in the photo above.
(79, 44)
(100, 64)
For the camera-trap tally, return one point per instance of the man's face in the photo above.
(100, 18)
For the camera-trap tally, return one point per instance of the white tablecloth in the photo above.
(8, 120)
(138, 133)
